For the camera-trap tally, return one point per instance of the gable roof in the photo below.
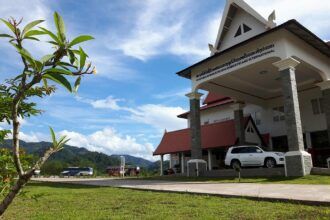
(214, 97)
(221, 134)
(292, 26)
(211, 100)
(229, 13)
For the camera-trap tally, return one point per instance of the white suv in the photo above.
(252, 156)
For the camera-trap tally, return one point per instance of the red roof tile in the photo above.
(212, 100)
(220, 134)
(214, 97)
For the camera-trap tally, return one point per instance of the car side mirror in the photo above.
(259, 151)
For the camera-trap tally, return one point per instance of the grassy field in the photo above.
(64, 201)
(310, 179)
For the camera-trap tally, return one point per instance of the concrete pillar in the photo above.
(209, 159)
(182, 163)
(161, 165)
(196, 164)
(297, 161)
(325, 87)
(239, 122)
(195, 125)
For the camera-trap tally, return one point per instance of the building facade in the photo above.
(273, 80)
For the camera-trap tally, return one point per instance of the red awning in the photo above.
(221, 134)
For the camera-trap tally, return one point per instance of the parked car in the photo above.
(77, 171)
(169, 171)
(244, 156)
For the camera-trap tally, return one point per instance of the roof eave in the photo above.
(186, 73)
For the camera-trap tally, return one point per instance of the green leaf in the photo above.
(58, 78)
(33, 33)
(52, 42)
(59, 23)
(80, 39)
(52, 35)
(45, 83)
(83, 56)
(24, 53)
(53, 136)
(9, 25)
(39, 65)
(30, 25)
(46, 58)
(77, 84)
(66, 64)
(59, 71)
(32, 38)
(6, 35)
(71, 56)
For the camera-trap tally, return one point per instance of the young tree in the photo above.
(65, 64)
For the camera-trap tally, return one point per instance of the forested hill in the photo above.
(77, 156)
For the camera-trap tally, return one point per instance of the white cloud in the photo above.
(158, 116)
(166, 27)
(110, 142)
(173, 94)
(313, 14)
(108, 103)
(30, 136)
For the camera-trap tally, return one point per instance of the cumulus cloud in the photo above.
(109, 141)
(164, 27)
(156, 115)
(159, 116)
(314, 15)
(109, 103)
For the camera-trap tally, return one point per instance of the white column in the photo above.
(161, 165)
(209, 159)
(170, 162)
(182, 163)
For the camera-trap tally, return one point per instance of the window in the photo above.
(239, 29)
(320, 139)
(252, 150)
(257, 118)
(246, 28)
(278, 114)
(250, 129)
(237, 150)
(317, 106)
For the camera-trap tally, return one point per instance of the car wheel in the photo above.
(270, 163)
(235, 163)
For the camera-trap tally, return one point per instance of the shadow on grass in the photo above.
(62, 185)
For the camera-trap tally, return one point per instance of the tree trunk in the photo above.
(22, 180)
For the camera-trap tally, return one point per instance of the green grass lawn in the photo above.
(310, 179)
(64, 201)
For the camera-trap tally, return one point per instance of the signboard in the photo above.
(246, 57)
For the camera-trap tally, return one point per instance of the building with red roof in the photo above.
(268, 84)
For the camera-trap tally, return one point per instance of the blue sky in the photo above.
(139, 46)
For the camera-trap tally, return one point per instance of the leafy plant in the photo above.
(64, 66)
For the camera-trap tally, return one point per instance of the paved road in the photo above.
(304, 193)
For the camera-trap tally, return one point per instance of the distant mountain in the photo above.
(135, 160)
(77, 156)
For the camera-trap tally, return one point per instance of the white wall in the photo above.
(240, 18)
(310, 122)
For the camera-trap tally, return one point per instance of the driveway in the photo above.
(314, 194)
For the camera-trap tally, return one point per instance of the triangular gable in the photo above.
(239, 22)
